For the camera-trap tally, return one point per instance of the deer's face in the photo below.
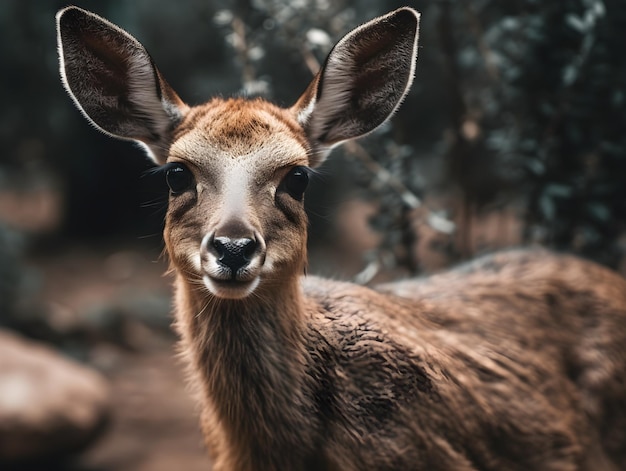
(237, 173)
(237, 169)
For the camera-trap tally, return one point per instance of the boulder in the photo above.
(50, 407)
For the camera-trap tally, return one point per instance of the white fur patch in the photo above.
(236, 191)
(305, 113)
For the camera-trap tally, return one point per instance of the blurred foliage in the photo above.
(542, 84)
(530, 97)
(519, 102)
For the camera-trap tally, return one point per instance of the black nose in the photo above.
(234, 253)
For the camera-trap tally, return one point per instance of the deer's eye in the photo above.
(296, 181)
(178, 178)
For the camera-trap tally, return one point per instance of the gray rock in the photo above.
(50, 407)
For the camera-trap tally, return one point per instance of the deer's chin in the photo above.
(230, 289)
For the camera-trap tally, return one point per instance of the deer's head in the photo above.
(237, 169)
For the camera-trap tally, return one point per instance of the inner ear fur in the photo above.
(362, 82)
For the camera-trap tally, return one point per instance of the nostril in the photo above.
(219, 244)
(234, 253)
(249, 248)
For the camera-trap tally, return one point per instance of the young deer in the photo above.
(514, 362)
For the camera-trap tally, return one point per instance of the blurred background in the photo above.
(514, 133)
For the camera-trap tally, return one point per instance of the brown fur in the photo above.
(237, 124)
(513, 362)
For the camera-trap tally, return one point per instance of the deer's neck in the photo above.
(251, 358)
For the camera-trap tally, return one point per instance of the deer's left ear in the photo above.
(363, 81)
(114, 82)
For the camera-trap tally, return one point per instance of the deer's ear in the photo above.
(363, 81)
(113, 81)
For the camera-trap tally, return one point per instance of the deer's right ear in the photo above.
(113, 81)
(362, 82)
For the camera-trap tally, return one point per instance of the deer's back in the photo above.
(515, 361)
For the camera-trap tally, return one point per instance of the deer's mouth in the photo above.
(231, 288)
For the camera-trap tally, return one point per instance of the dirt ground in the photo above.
(114, 305)
(155, 425)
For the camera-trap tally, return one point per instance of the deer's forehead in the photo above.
(250, 136)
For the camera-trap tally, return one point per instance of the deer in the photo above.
(513, 361)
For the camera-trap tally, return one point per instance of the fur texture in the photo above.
(513, 362)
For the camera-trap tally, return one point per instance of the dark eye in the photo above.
(178, 178)
(296, 181)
